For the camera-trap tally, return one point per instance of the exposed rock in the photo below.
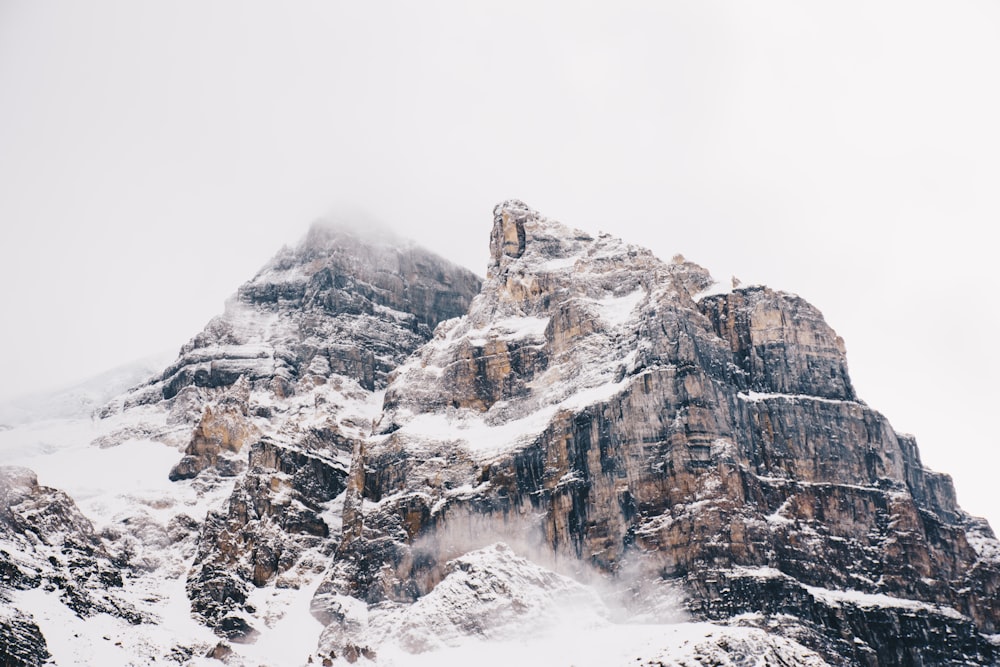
(344, 301)
(781, 343)
(224, 428)
(21, 642)
(221, 651)
(341, 310)
(46, 542)
(273, 517)
(594, 401)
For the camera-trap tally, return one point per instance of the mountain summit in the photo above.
(607, 457)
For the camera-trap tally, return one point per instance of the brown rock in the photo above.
(699, 441)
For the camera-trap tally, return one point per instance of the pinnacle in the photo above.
(508, 237)
(514, 207)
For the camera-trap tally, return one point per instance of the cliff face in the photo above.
(344, 301)
(294, 372)
(375, 453)
(265, 408)
(599, 404)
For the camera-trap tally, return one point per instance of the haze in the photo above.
(154, 155)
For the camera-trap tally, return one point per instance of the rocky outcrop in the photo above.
(21, 642)
(339, 313)
(345, 302)
(277, 515)
(223, 430)
(46, 543)
(781, 343)
(433, 459)
(603, 404)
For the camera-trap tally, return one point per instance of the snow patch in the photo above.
(616, 310)
(869, 600)
(756, 396)
(482, 439)
(715, 289)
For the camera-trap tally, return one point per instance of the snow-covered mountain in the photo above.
(594, 457)
(81, 399)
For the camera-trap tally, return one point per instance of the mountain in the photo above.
(81, 399)
(592, 457)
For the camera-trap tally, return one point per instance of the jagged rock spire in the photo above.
(508, 238)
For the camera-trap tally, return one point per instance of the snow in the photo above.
(867, 600)
(856, 598)
(592, 395)
(616, 310)
(484, 440)
(124, 482)
(481, 439)
(559, 264)
(987, 548)
(113, 642)
(495, 608)
(756, 396)
(616, 645)
(291, 635)
(778, 517)
(759, 572)
(506, 329)
(715, 289)
(103, 481)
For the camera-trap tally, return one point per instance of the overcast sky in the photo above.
(154, 155)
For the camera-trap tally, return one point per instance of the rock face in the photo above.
(268, 405)
(224, 428)
(300, 358)
(47, 544)
(602, 406)
(374, 439)
(344, 301)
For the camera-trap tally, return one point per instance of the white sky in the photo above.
(154, 155)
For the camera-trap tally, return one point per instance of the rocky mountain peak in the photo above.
(508, 237)
(346, 300)
(383, 453)
(612, 408)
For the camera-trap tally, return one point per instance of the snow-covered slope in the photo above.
(496, 608)
(81, 399)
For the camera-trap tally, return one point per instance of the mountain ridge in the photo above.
(364, 416)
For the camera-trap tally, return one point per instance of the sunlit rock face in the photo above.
(617, 411)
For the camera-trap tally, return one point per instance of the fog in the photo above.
(154, 155)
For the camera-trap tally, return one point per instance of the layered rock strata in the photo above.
(368, 421)
(604, 407)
